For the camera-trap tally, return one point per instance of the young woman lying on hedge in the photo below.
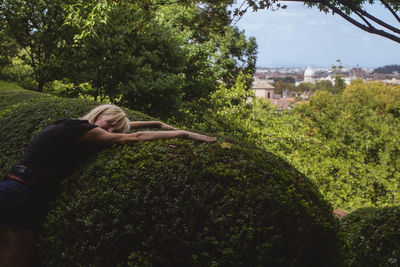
(55, 152)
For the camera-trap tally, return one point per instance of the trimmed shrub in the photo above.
(11, 93)
(372, 236)
(174, 203)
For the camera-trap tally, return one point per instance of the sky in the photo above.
(300, 36)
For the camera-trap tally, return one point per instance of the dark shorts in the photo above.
(18, 205)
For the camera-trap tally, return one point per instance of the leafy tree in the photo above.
(204, 26)
(339, 85)
(8, 48)
(134, 65)
(286, 79)
(355, 164)
(37, 26)
(346, 143)
(213, 47)
(344, 8)
(232, 53)
(281, 86)
(19, 72)
(324, 85)
(140, 54)
(173, 54)
(305, 87)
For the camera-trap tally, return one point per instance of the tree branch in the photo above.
(369, 29)
(390, 9)
(364, 19)
(240, 9)
(366, 14)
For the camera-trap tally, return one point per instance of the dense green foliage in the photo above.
(172, 203)
(346, 143)
(8, 49)
(384, 24)
(373, 237)
(177, 203)
(181, 203)
(18, 72)
(12, 94)
(134, 55)
(309, 88)
(356, 155)
(286, 79)
(38, 27)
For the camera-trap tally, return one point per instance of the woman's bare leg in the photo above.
(16, 248)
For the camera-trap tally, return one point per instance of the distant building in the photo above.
(263, 89)
(347, 80)
(358, 73)
(309, 75)
(283, 103)
(393, 81)
(260, 76)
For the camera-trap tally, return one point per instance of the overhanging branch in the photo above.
(366, 14)
(364, 19)
(391, 10)
(368, 28)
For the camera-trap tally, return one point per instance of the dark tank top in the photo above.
(55, 152)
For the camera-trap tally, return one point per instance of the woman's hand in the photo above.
(165, 126)
(200, 137)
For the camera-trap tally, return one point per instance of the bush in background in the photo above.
(19, 73)
(373, 237)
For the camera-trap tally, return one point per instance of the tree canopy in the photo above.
(140, 54)
(354, 11)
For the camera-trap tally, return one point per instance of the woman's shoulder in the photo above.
(74, 125)
(71, 121)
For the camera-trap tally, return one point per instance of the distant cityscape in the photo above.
(265, 78)
(348, 74)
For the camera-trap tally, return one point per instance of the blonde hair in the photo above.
(118, 118)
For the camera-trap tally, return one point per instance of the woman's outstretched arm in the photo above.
(150, 124)
(101, 136)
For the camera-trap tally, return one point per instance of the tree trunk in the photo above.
(41, 84)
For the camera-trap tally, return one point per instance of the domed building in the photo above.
(309, 75)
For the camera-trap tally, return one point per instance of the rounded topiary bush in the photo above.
(174, 203)
(181, 203)
(372, 236)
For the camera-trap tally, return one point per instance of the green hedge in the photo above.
(11, 93)
(173, 203)
(373, 237)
